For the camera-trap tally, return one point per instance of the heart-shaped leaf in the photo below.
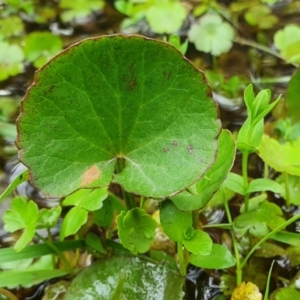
(130, 100)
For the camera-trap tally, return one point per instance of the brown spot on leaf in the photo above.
(175, 143)
(166, 149)
(89, 176)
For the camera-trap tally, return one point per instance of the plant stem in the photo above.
(239, 274)
(128, 197)
(245, 156)
(8, 294)
(181, 260)
(261, 47)
(142, 200)
(269, 235)
(287, 189)
(59, 253)
(195, 218)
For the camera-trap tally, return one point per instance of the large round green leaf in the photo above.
(118, 98)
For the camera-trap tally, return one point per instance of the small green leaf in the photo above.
(74, 219)
(257, 220)
(11, 60)
(261, 185)
(17, 181)
(75, 9)
(136, 230)
(174, 222)
(199, 243)
(219, 258)
(94, 242)
(287, 40)
(212, 35)
(235, 183)
(87, 199)
(34, 251)
(260, 15)
(292, 97)
(161, 11)
(281, 157)
(104, 216)
(13, 279)
(289, 238)
(41, 46)
(249, 136)
(48, 217)
(175, 41)
(22, 215)
(11, 26)
(290, 188)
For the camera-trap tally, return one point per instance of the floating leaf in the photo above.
(140, 280)
(281, 157)
(136, 230)
(219, 258)
(161, 11)
(41, 46)
(135, 101)
(212, 35)
(11, 60)
(21, 215)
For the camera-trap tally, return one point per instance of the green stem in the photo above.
(181, 260)
(269, 235)
(245, 156)
(128, 197)
(239, 271)
(195, 218)
(287, 189)
(142, 202)
(59, 253)
(266, 49)
(8, 294)
(283, 79)
(266, 171)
